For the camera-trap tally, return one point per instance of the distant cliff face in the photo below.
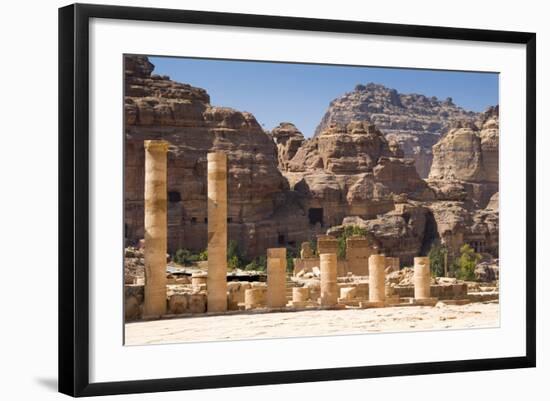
(284, 189)
(353, 170)
(414, 121)
(467, 156)
(159, 108)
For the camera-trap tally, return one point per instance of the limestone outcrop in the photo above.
(414, 121)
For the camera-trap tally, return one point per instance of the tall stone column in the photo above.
(154, 302)
(216, 283)
(329, 285)
(422, 277)
(377, 275)
(276, 277)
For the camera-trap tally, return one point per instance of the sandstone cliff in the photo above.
(352, 170)
(155, 108)
(288, 139)
(412, 120)
(467, 157)
(284, 189)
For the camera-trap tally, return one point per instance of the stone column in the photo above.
(216, 283)
(154, 302)
(300, 294)
(329, 285)
(276, 277)
(422, 277)
(254, 298)
(377, 275)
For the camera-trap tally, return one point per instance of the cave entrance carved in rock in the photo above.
(315, 215)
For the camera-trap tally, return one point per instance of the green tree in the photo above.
(203, 255)
(185, 257)
(291, 253)
(437, 256)
(349, 231)
(465, 265)
(257, 264)
(233, 263)
(234, 256)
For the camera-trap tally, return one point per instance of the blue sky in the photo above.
(301, 93)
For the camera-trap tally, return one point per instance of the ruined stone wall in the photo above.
(358, 251)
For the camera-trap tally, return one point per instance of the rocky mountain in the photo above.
(284, 189)
(467, 157)
(158, 108)
(353, 173)
(414, 121)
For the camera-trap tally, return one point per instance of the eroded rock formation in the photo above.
(259, 204)
(284, 189)
(466, 157)
(288, 139)
(352, 170)
(414, 121)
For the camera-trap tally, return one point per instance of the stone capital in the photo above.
(217, 156)
(156, 145)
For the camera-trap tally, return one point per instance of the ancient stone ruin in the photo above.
(316, 281)
(198, 176)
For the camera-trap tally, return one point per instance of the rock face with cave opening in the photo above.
(284, 189)
(261, 207)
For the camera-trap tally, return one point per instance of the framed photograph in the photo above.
(251, 199)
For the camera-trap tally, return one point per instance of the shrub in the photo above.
(235, 259)
(437, 259)
(185, 257)
(203, 255)
(258, 264)
(291, 253)
(465, 265)
(349, 231)
(234, 263)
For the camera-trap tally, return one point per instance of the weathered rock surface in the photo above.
(487, 272)
(288, 139)
(404, 232)
(414, 121)
(352, 170)
(466, 160)
(260, 208)
(457, 224)
(284, 189)
(351, 148)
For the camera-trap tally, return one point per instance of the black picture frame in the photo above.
(74, 198)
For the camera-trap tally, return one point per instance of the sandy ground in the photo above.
(312, 323)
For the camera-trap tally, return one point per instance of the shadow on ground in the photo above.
(48, 382)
